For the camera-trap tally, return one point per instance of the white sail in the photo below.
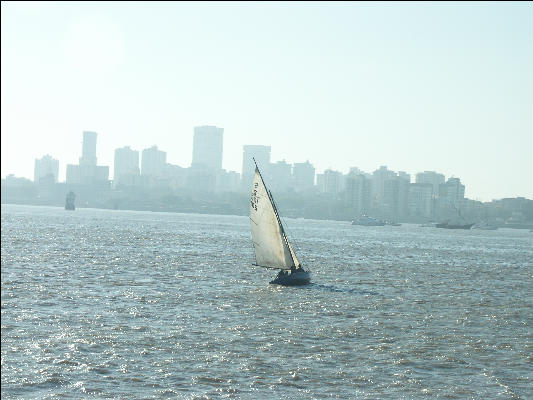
(272, 249)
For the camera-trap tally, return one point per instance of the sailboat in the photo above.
(455, 225)
(271, 246)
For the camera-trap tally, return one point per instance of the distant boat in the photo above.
(456, 224)
(392, 223)
(428, 225)
(69, 202)
(271, 246)
(366, 220)
(447, 225)
(485, 226)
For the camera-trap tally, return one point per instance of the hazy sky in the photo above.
(415, 86)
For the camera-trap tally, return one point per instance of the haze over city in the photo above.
(414, 86)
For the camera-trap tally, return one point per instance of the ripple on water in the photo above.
(113, 304)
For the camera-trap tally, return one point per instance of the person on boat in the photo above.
(281, 274)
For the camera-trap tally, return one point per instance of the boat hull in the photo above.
(366, 220)
(293, 279)
(451, 226)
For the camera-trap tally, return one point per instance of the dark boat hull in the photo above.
(293, 279)
(451, 226)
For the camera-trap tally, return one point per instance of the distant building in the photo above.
(126, 166)
(358, 193)
(405, 176)
(153, 162)
(395, 197)
(87, 172)
(379, 177)
(452, 192)
(229, 181)
(331, 182)
(46, 168)
(88, 155)
(404, 181)
(14, 181)
(356, 171)
(208, 147)
(303, 176)
(280, 174)
(262, 157)
(177, 176)
(433, 178)
(450, 200)
(420, 201)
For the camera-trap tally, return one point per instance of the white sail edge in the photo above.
(271, 246)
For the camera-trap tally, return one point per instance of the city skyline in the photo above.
(90, 151)
(421, 86)
(208, 147)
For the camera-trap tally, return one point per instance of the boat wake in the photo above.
(339, 289)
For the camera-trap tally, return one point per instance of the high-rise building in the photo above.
(331, 182)
(262, 157)
(87, 172)
(88, 154)
(452, 192)
(207, 147)
(394, 203)
(303, 176)
(47, 168)
(420, 201)
(432, 177)
(358, 193)
(379, 177)
(280, 176)
(153, 162)
(229, 181)
(126, 166)
(450, 200)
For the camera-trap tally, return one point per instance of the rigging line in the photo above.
(294, 243)
(284, 234)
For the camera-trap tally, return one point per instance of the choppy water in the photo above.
(138, 305)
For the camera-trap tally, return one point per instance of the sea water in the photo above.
(142, 305)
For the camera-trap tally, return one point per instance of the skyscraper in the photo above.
(88, 154)
(379, 177)
(46, 168)
(280, 176)
(331, 182)
(126, 166)
(153, 162)
(207, 147)
(303, 175)
(421, 200)
(262, 157)
(87, 172)
(432, 177)
(452, 192)
(358, 192)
